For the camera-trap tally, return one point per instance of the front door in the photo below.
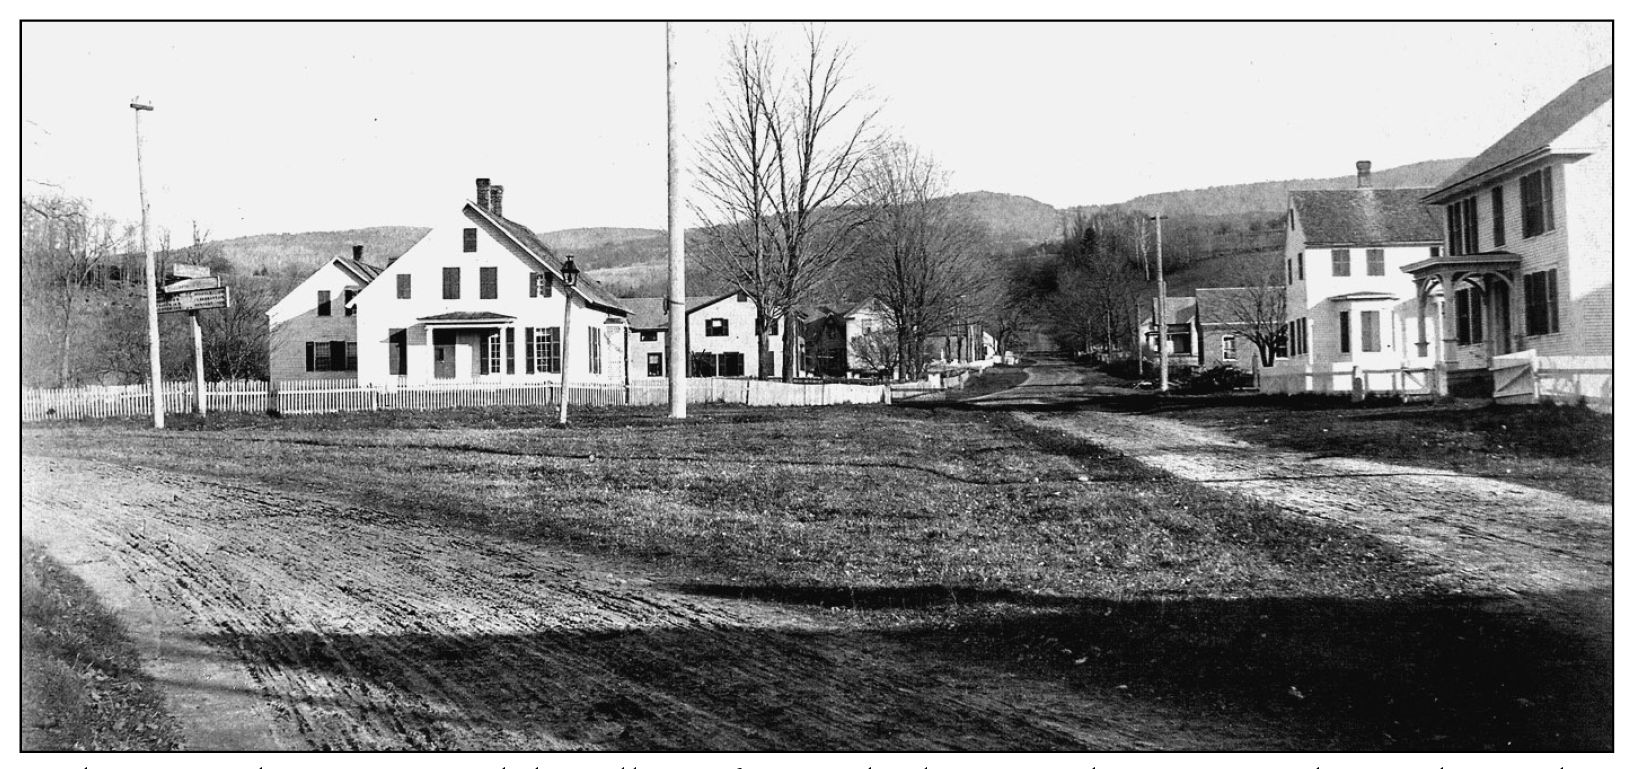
(444, 361)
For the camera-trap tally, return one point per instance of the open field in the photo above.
(850, 577)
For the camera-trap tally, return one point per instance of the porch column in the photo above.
(1423, 318)
(424, 366)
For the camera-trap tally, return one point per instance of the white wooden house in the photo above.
(1179, 340)
(1527, 271)
(720, 336)
(481, 299)
(1350, 308)
(312, 332)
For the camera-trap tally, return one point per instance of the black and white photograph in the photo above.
(877, 392)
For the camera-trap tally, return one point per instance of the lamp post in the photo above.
(571, 276)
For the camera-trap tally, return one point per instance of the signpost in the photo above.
(197, 292)
(189, 271)
(193, 301)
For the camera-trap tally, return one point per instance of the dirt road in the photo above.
(1481, 535)
(279, 621)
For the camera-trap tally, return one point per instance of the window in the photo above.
(1300, 259)
(332, 356)
(1341, 262)
(324, 303)
(395, 351)
(1227, 347)
(1497, 217)
(1289, 272)
(452, 282)
(469, 240)
(491, 364)
(1542, 303)
(717, 326)
(1292, 219)
(404, 285)
(649, 336)
(657, 365)
(1344, 331)
(1537, 203)
(540, 284)
(732, 364)
(1369, 331)
(347, 301)
(1434, 252)
(595, 350)
(1469, 316)
(549, 350)
(486, 283)
(769, 323)
(1375, 261)
(1463, 235)
(1301, 336)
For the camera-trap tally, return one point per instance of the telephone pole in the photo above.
(677, 393)
(156, 387)
(1161, 304)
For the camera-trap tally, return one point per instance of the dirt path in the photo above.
(280, 621)
(1482, 535)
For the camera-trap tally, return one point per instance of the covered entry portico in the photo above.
(467, 347)
(1476, 321)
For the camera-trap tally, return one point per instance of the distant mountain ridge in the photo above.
(1259, 197)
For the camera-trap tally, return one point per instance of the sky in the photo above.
(294, 126)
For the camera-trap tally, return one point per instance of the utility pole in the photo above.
(1161, 304)
(156, 387)
(677, 393)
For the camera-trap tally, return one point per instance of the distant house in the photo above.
(832, 337)
(720, 336)
(961, 344)
(1348, 303)
(312, 332)
(481, 299)
(1528, 261)
(1180, 335)
(1223, 319)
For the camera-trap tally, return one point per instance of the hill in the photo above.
(297, 254)
(1262, 197)
(1012, 220)
(595, 237)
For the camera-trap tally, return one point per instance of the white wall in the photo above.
(294, 321)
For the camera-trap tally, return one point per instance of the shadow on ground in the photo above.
(1428, 674)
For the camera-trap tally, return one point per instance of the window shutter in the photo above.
(511, 353)
(338, 356)
(309, 356)
(1552, 305)
(1344, 331)
(535, 284)
(529, 350)
(1548, 199)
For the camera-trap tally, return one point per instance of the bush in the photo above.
(1218, 379)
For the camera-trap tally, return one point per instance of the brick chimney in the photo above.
(1363, 173)
(358, 253)
(483, 199)
(495, 200)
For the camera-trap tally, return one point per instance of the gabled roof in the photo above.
(1541, 129)
(590, 290)
(1366, 216)
(364, 273)
(646, 312)
(1213, 305)
(1179, 309)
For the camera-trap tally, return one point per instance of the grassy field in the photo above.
(82, 687)
(1566, 449)
(962, 532)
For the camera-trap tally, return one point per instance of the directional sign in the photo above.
(188, 301)
(190, 270)
(191, 284)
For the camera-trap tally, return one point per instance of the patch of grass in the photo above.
(82, 685)
(1567, 449)
(862, 497)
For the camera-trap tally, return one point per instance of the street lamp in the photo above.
(572, 275)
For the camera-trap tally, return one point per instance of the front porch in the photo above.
(474, 348)
(1472, 298)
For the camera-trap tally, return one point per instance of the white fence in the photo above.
(1402, 382)
(932, 388)
(332, 395)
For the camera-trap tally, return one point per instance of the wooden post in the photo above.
(199, 363)
(154, 382)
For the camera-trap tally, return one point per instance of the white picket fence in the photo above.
(334, 395)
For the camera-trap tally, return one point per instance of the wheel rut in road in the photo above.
(277, 620)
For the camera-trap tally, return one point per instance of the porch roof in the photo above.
(1499, 261)
(467, 317)
(1364, 296)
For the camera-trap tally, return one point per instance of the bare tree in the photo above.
(1257, 312)
(65, 244)
(782, 178)
(916, 255)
